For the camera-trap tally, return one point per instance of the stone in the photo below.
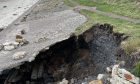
(6, 43)
(1, 47)
(4, 6)
(122, 76)
(108, 69)
(19, 55)
(100, 76)
(64, 81)
(115, 70)
(16, 44)
(96, 82)
(72, 81)
(9, 47)
(23, 31)
(31, 59)
(126, 75)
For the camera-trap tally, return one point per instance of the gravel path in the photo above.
(79, 7)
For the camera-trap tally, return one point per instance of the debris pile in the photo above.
(118, 76)
(19, 41)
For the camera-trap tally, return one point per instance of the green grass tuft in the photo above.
(136, 70)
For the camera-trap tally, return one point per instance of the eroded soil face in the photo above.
(75, 58)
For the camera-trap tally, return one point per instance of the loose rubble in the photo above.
(8, 46)
(122, 76)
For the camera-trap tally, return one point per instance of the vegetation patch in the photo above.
(130, 8)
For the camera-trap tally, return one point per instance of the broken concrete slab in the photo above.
(41, 34)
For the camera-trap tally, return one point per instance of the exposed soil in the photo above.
(77, 58)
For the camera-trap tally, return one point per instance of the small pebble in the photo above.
(23, 31)
(100, 76)
(19, 55)
(9, 47)
(108, 69)
(4, 6)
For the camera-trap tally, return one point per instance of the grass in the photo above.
(130, 8)
(136, 70)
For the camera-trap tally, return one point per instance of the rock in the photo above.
(23, 31)
(122, 76)
(72, 81)
(108, 69)
(4, 6)
(21, 40)
(103, 77)
(19, 55)
(100, 76)
(118, 80)
(128, 76)
(84, 83)
(114, 70)
(96, 82)
(1, 47)
(1, 29)
(64, 81)
(6, 43)
(31, 59)
(9, 47)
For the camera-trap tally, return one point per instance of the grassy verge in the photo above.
(122, 7)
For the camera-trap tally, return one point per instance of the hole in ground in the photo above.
(75, 58)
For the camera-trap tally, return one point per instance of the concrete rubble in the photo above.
(122, 76)
(118, 76)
